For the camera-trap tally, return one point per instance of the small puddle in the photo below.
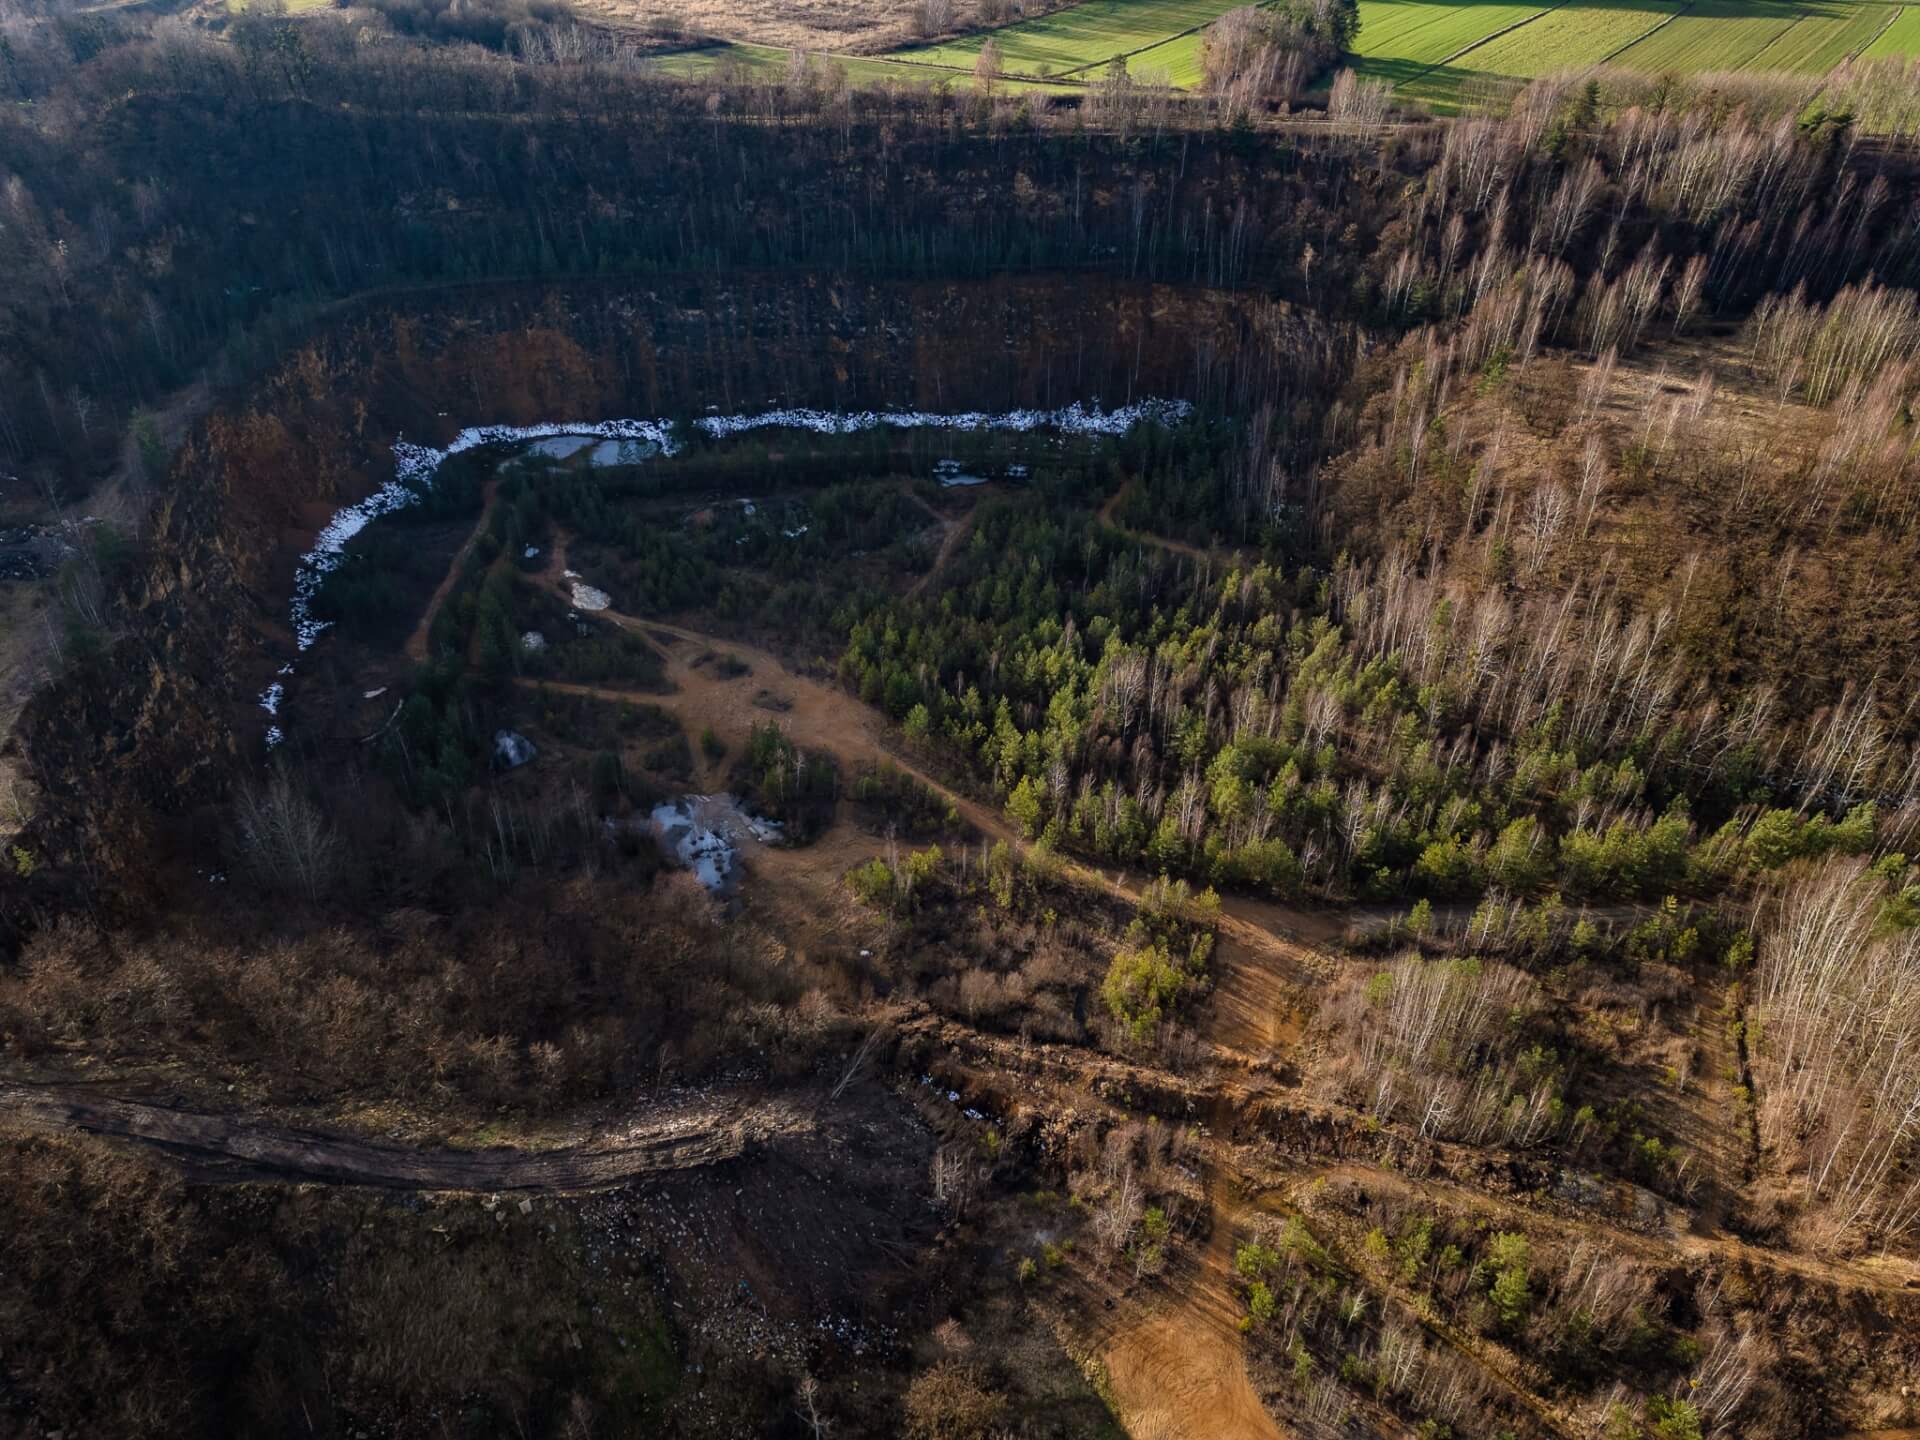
(705, 833)
(951, 473)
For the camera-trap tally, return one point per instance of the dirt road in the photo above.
(416, 646)
(1178, 1371)
(1181, 1370)
(821, 716)
(1158, 542)
(230, 1148)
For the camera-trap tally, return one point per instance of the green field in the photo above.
(1420, 31)
(1901, 38)
(1445, 55)
(1570, 37)
(1713, 35)
(1403, 42)
(1177, 61)
(1082, 37)
(1824, 37)
(1441, 54)
(770, 62)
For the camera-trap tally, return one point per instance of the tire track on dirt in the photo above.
(1181, 1371)
(235, 1149)
(1884, 1273)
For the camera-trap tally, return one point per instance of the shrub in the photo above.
(872, 883)
(1507, 1255)
(1141, 985)
(949, 1402)
(1255, 1259)
(1446, 868)
(1260, 1302)
(1673, 1419)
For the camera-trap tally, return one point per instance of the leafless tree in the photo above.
(284, 839)
(932, 17)
(986, 66)
(1837, 1015)
(1359, 102)
(1118, 1215)
(953, 1179)
(806, 1397)
(1687, 294)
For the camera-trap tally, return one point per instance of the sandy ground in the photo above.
(1179, 1370)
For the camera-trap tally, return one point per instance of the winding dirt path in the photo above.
(1178, 1371)
(416, 646)
(822, 716)
(956, 531)
(1270, 952)
(1159, 542)
(231, 1148)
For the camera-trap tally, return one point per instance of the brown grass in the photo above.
(864, 25)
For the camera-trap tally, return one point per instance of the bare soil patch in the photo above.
(1179, 1372)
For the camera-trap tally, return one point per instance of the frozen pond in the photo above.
(617, 451)
(950, 474)
(622, 452)
(705, 833)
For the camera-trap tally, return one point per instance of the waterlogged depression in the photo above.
(624, 442)
(705, 833)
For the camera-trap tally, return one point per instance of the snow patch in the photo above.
(705, 833)
(511, 749)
